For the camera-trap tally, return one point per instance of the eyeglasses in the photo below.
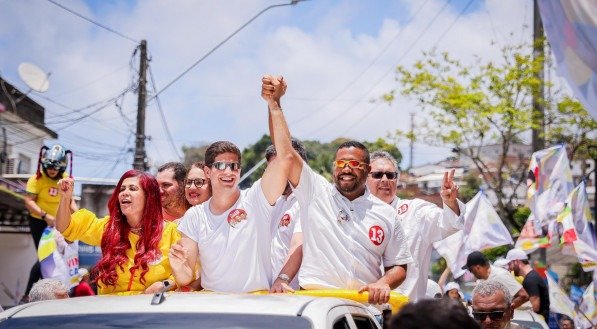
(221, 165)
(198, 182)
(494, 315)
(354, 164)
(380, 174)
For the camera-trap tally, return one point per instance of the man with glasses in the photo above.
(230, 233)
(492, 306)
(171, 177)
(348, 234)
(424, 223)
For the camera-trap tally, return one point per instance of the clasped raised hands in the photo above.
(272, 89)
(66, 187)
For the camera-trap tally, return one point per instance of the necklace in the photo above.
(136, 229)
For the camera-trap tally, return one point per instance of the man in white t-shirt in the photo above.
(348, 234)
(424, 223)
(231, 233)
(287, 234)
(479, 266)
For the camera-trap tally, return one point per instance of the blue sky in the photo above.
(337, 57)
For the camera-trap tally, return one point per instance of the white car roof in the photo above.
(277, 304)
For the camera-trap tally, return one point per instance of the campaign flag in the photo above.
(58, 259)
(558, 300)
(588, 306)
(549, 183)
(570, 27)
(483, 229)
(577, 226)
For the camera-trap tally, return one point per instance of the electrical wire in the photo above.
(453, 23)
(164, 122)
(293, 2)
(93, 22)
(358, 76)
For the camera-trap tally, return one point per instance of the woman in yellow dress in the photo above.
(134, 238)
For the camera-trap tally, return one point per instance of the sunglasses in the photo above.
(354, 164)
(221, 165)
(380, 174)
(494, 315)
(198, 182)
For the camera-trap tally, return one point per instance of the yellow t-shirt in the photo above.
(46, 190)
(86, 227)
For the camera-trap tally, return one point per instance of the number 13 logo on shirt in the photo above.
(376, 235)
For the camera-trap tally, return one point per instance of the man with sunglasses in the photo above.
(492, 306)
(230, 233)
(424, 223)
(348, 234)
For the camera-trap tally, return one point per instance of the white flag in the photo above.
(483, 229)
(559, 301)
(588, 307)
(578, 228)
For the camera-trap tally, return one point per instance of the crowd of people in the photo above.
(192, 229)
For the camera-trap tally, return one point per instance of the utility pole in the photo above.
(539, 94)
(139, 162)
(411, 144)
(538, 114)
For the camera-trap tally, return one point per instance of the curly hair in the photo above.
(115, 240)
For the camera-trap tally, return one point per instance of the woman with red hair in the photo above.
(135, 239)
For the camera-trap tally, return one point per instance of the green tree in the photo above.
(472, 183)
(469, 107)
(193, 154)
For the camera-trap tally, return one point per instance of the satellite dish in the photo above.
(34, 77)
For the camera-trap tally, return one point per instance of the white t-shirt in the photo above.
(424, 223)
(345, 243)
(504, 277)
(234, 247)
(286, 221)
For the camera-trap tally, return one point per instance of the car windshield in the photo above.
(159, 320)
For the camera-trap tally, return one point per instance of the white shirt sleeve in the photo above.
(397, 252)
(189, 223)
(309, 183)
(256, 198)
(439, 223)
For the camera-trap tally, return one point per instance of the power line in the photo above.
(164, 122)
(291, 3)
(358, 76)
(453, 23)
(93, 22)
(373, 86)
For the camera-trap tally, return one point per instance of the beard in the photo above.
(348, 186)
(176, 201)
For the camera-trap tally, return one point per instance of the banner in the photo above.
(58, 259)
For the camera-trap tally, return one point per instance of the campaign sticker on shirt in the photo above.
(53, 191)
(284, 222)
(342, 216)
(236, 216)
(402, 209)
(376, 235)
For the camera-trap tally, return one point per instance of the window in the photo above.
(364, 322)
(24, 166)
(341, 323)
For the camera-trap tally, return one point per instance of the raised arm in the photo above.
(278, 171)
(278, 127)
(65, 189)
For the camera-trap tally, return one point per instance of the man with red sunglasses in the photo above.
(348, 234)
(424, 223)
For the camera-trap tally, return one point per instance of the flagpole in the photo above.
(577, 309)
